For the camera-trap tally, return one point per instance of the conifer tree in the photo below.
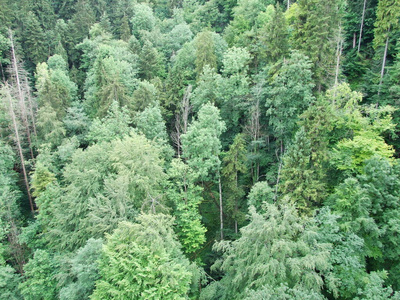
(144, 261)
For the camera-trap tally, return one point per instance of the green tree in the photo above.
(33, 40)
(84, 271)
(143, 19)
(205, 52)
(316, 31)
(201, 144)
(144, 261)
(40, 281)
(150, 62)
(387, 26)
(273, 38)
(234, 163)
(55, 88)
(284, 250)
(186, 197)
(150, 123)
(114, 125)
(234, 89)
(104, 185)
(302, 180)
(289, 96)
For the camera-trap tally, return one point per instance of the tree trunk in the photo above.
(361, 26)
(18, 142)
(31, 107)
(221, 210)
(338, 55)
(21, 97)
(383, 63)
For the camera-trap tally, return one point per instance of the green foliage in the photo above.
(234, 165)
(104, 185)
(186, 198)
(289, 96)
(285, 249)
(201, 144)
(84, 271)
(40, 281)
(55, 89)
(273, 38)
(374, 288)
(114, 125)
(150, 123)
(50, 130)
(316, 33)
(143, 261)
(260, 192)
(205, 52)
(143, 19)
(302, 180)
(347, 256)
(111, 74)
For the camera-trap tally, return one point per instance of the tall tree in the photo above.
(284, 251)
(8, 104)
(289, 96)
(387, 26)
(316, 29)
(205, 52)
(186, 197)
(201, 146)
(234, 163)
(144, 261)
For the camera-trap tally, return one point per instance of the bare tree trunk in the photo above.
(288, 4)
(383, 64)
(31, 107)
(18, 142)
(354, 40)
(221, 210)
(361, 26)
(21, 97)
(236, 204)
(277, 181)
(183, 118)
(186, 108)
(338, 56)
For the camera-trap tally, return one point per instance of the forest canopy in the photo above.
(239, 149)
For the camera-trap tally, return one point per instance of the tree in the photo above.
(316, 29)
(386, 26)
(205, 52)
(40, 281)
(234, 163)
(144, 261)
(84, 271)
(150, 62)
(289, 96)
(150, 123)
(116, 124)
(284, 250)
(8, 102)
(201, 147)
(302, 180)
(234, 89)
(186, 197)
(107, 183)
(55, 88)
(273, 38)
(33, 40)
